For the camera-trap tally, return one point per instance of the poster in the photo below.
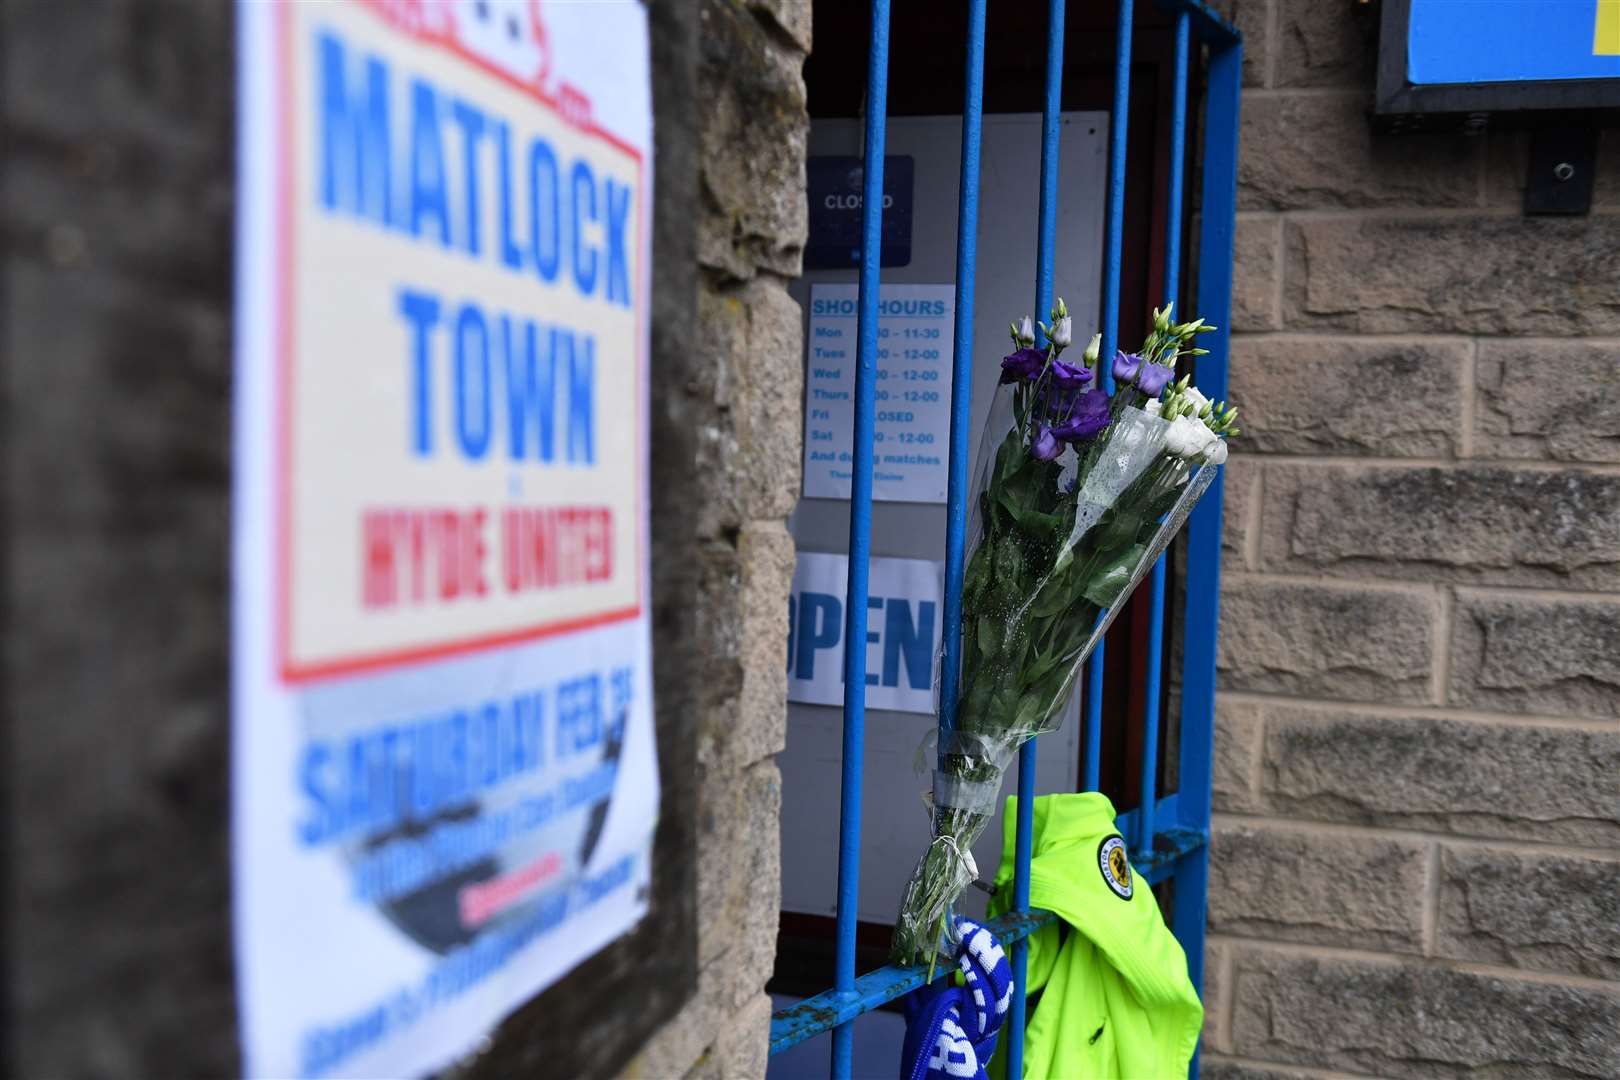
(913, 395)
(904, 604)
(444, 775)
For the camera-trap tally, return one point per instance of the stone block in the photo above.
(1210, 1038)
(1550, 784)
(1558, 400)
(1326, 641)
(1313, 395)
(1485, 275)
(1240, 490)
(1399, 1020)
(1239, 729)
(1472, 523)
(742, 1048)
(1254, 274)
(1520, 653)
(741, 630)
(739, 865)
(1316, 151)
(1557, 913)
(768, 559)
(1314, 886)
(1319, 44)
(752, 138)
(1252, 18)
(749, 446)
(791, 17)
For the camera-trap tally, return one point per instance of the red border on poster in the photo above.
(573, 109)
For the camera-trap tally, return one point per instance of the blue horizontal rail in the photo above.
(814, 1015)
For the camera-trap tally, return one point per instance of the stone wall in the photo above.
(743, 403)
(1416, 860)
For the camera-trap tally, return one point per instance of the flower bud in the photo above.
(1094, 349)
(1063, 331)
(1024, 333)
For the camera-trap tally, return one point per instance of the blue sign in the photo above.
(1507, 41)
(835, 212)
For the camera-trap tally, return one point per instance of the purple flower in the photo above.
(1090, 416)
(1067, 376)
(1046, 446)
(1023, 364)
(1126, 365)
(1154, 378)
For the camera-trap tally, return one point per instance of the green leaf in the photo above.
(1105, 586)
(1121, 530)
(990, 631)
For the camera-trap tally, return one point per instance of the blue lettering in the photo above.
(873, 603)
(422, 311)
(618, 263)
(544, 217)
(579, 715)
(354, 136)
(530, 388)
(472, 382)
(511, 254)
(819, 617)
(471, 122)
(581, 395)
(915, 641)
(583, 182)
(428, 195)
(325, 816)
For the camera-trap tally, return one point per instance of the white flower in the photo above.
(1188, 437)
(1197, 398)
(1026, 332)
(1063, 332)
(1152, 408)
(1215, 452)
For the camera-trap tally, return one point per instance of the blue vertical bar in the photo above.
(860, 530)
(1204, 527)
(1117, 127)
(1046, 242)
(956, 490)
(1172, 285)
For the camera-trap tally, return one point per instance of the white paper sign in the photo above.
(444, 776)
(913, 396)
(904, 604)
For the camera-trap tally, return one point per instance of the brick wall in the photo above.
(743, 402)
(1416, 860)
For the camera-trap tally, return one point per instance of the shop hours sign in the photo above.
(913, 392)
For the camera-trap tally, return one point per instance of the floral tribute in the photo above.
(1078, 492)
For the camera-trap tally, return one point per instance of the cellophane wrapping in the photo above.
(1057, 547)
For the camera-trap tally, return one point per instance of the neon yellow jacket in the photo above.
(1115, 997)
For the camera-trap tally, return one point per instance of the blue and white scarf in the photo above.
(951, 1030)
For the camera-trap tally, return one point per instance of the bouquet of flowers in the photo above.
(1078, 492)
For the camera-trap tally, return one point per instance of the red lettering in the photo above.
(417, 556)
(555, 547)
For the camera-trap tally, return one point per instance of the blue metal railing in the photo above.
(1169, 834)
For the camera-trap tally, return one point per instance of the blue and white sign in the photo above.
(444, 776)
(1506, 41)
(916, 325)
(904, 600)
